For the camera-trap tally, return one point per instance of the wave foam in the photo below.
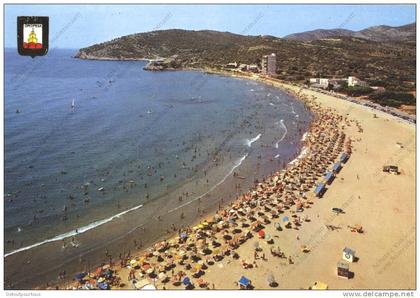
(249, 142)
(302, 154)
(281, 122)
(236, 164)
(72, 233)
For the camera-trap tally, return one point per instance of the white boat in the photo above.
(72, 104)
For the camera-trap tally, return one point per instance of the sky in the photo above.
(77, 26)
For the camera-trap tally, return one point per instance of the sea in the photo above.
(103, 155)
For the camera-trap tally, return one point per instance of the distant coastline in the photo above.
(84, 56)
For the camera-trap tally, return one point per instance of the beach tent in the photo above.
(344, 157)
(343, 270)
(337, 167)
(319, 190)
(244, 282)
(329, 177)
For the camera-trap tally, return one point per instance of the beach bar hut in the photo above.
(343, 270)
(329, 177)
(349, 255)
(319, 190)
(337, 167)
(344, 157)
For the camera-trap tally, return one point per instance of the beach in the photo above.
(302, 239)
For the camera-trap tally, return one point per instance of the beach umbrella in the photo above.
(149, 287)
(186, 281)
(236, 231)
(141, 283)
(197, 266)
(227, 237)
(285, 219)
(80, 276)
(146, 266)
(183, 235)
(271, 280)
(162, 275)
(108, 273)
(243, 281)
(261, 233)
(133, 262)
(103, 286)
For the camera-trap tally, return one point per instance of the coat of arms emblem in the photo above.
(32, 36)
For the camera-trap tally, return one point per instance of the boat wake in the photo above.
(72, 233)
(236, 164)
(249, 142)
(281, 123)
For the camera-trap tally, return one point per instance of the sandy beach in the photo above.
(305, 248)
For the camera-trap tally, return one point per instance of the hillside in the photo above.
(319, 34)
(376, 33)
(388, 64)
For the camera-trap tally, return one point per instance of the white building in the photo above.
(253, 68)
(353, 81)
(319, 82)
(268, 64)
(232, 65)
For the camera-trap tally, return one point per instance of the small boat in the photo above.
(149, 112)
(72, 104)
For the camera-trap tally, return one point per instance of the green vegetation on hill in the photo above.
(355, 91)
(393, 99)
(389, 64)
